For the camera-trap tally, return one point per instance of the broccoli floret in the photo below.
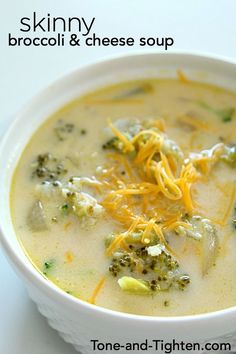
(199, 227)
(219, 152)
(82, 204)
(158, 269)
(129, 131)
(48, 168)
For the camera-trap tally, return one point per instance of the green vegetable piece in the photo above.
(166, 303)
(48, 168)
(134, 286)
(113, 143)
(142, 89)
(226, 114)
(183, 281)
(62, 130)
(65, 209)
(48, 265)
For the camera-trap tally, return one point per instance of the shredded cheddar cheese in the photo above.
(150, 192)
(193, 122)
(166, 183)
(67, 225)
(176, 224)
(149, 180)
(182, 77)
(69, 256)
(147, 231)
(188, 176)
(128, 146)
(97, 290)
(115, 244)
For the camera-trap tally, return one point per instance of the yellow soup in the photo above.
(126, 198)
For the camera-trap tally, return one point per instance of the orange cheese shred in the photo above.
(96, 291)
(128, 146)
(69, 256)
(182, 77)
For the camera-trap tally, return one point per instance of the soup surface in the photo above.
(126, 198)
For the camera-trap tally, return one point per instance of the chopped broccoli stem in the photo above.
(134, 286)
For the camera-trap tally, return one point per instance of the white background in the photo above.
(205, 25)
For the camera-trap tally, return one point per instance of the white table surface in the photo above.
(203, 25)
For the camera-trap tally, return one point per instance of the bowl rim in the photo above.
(29, 272)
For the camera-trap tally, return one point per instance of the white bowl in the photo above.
(79, 322)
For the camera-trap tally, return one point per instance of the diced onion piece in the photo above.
(209, 248)
(36, 218)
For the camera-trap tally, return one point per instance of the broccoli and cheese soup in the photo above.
(126, 198)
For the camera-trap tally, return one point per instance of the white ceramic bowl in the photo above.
(78, 322)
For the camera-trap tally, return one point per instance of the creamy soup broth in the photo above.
(66, 239)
